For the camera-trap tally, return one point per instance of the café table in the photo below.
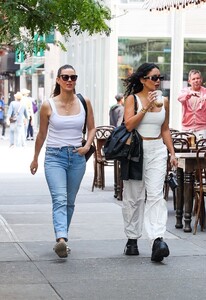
(187, 164)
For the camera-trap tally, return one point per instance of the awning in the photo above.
(20, 71)
(29, 69)
(168, 4)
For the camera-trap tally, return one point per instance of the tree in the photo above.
(21, 21)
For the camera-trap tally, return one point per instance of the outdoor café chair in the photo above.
(200, 191)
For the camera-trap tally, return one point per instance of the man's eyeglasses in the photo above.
(154, 77)
(67, 77)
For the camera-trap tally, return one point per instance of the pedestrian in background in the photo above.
(193, 100)
(2, 117)
(116, 112)
(16, 115)
(62, 117)
(143, 202)
(29, 124)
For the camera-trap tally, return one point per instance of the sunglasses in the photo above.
(154, 77)
(67, 77)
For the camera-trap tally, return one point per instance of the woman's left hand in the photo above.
(83, 150)
(173, 161)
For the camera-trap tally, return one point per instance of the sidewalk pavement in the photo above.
(96, 269)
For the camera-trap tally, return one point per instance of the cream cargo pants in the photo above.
(143, 202)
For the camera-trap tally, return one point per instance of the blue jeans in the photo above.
(64, 170)
(16, 135)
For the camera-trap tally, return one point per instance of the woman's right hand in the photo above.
(33, 167)
(152, 96)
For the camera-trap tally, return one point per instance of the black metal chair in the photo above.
(200, 191)
(180, 145)
(100, 162)
(200, 143)
(173, 130)
(190, 136)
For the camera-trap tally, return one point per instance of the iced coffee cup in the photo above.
(159, 101)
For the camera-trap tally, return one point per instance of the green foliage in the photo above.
(21, 20)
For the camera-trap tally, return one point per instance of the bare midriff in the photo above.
(151, 138)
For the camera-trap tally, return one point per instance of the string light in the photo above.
(160, 5)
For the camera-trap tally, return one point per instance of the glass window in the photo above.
(132, 52)
(194, 58)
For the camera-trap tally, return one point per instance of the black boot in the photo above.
(131, 248)
(159, 250)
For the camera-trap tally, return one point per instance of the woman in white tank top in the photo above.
(61, 122)
(143, 202)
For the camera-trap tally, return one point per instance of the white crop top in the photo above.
(65, 130)
(150, 126)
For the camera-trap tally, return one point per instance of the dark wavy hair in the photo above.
(133, 83)
(56, 91)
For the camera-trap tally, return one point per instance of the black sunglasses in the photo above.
(154, 77)
(66, 77)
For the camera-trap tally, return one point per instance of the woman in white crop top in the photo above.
(143, 202)
(61, 122)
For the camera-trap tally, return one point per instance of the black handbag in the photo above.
(14, 116)
(118, 143)
(92, 147)
(121, 144)
(91, 150)
(172, 180)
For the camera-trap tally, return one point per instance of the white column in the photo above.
(34, 95)
(177, 61)
(6, 91)
(34, 92)
(23, 81)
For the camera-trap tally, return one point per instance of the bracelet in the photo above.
(144, 111)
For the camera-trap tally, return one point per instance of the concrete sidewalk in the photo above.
(96, 268)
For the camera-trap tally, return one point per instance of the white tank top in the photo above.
(65, 130)
(150, 126)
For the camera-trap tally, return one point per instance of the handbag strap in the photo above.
(135, 104)
(135, 107)
(18, 110)
(81, 98)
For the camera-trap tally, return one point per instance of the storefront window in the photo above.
(194, 58)
(132, 52)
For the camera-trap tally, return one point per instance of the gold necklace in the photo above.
(68, 105)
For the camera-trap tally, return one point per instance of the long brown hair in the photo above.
(133, 83)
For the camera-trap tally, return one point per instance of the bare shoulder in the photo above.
(166, 101)
(166, 104)
(130, 97)
(88, 102)
(46, 103)
(46, 107)
(130, 100)
(87, 99)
